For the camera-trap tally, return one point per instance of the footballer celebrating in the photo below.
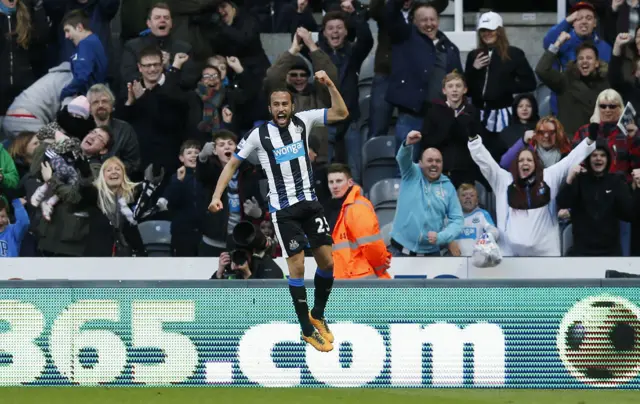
(298, 218)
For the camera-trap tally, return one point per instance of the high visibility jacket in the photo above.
(358, 248)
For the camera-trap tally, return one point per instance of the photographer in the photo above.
(252, 257)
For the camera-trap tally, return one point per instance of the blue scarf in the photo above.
(6, 9)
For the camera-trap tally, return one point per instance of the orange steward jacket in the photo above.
(358, 248)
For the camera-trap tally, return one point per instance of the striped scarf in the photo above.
(211, 104)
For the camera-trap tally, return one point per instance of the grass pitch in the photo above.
(101, 395)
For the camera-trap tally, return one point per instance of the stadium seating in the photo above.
(385, 232)
(384, 197)
(378, 161)
(156, 236)
(566, 241)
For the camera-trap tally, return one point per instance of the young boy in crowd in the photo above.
(476, 222)
(243, 199)
(11, 235)
(89, 63)
(447, 126)
(185, 198)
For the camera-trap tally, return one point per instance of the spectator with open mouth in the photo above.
(160, 24)
(243, 199)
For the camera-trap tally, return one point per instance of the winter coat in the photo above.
(8, 170)
(187, 201)
(100, 13)
(414, 59)
(89, 66)
(567, 51)
(132, 49)
(214, 225)
(67, 231)
(125, 145)
(20, 67)
(493, 87)
(104, 238)
(348, 61)
(159, 119)
(577, 95)
(358, 248)
(444, 131)
(625, 150)
(622, 78)
(533, 232)
(598, 204)
(42, 98)
(424, 206)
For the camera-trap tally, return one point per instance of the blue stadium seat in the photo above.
(566, 241)
(378, 161)
(156, 236)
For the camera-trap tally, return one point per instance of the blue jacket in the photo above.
(413, 57)
(568, 49)
(424, 206)
(88, 65)
(187, 203)
(100, 13)
(11, 237)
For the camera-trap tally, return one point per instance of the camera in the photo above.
(248, 240)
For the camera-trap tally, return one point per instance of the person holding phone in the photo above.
(496, 72)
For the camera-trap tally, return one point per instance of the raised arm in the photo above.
(555, 175)
(495, 175)
(338, 111)
(223, 182)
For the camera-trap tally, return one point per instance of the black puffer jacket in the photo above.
(20, 67)
(598, 204)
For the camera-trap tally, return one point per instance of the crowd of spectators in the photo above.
(96, 140)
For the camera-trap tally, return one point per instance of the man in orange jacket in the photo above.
(358, 249)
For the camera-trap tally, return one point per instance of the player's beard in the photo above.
(282, 120)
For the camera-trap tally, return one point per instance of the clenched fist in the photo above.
(413, 137)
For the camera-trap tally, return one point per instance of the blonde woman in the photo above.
(625, 148)
(113, 229)
(23, 34)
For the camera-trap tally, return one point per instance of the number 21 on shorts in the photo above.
(323, 225)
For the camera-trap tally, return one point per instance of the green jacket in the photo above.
(8, 170)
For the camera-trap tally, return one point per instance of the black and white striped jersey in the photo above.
(284, 155)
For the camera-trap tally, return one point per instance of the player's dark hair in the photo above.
(3, 203)
(189, 144)
(280, 90)
(75, 18)
(340, 168)
(150, 51)
(224, 134)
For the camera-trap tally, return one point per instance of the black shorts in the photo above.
(300, 224)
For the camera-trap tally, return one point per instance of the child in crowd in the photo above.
(185, 198)
(447, 126)
(89, 63)
(11, 235)
(64, 151)
(476, 222)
